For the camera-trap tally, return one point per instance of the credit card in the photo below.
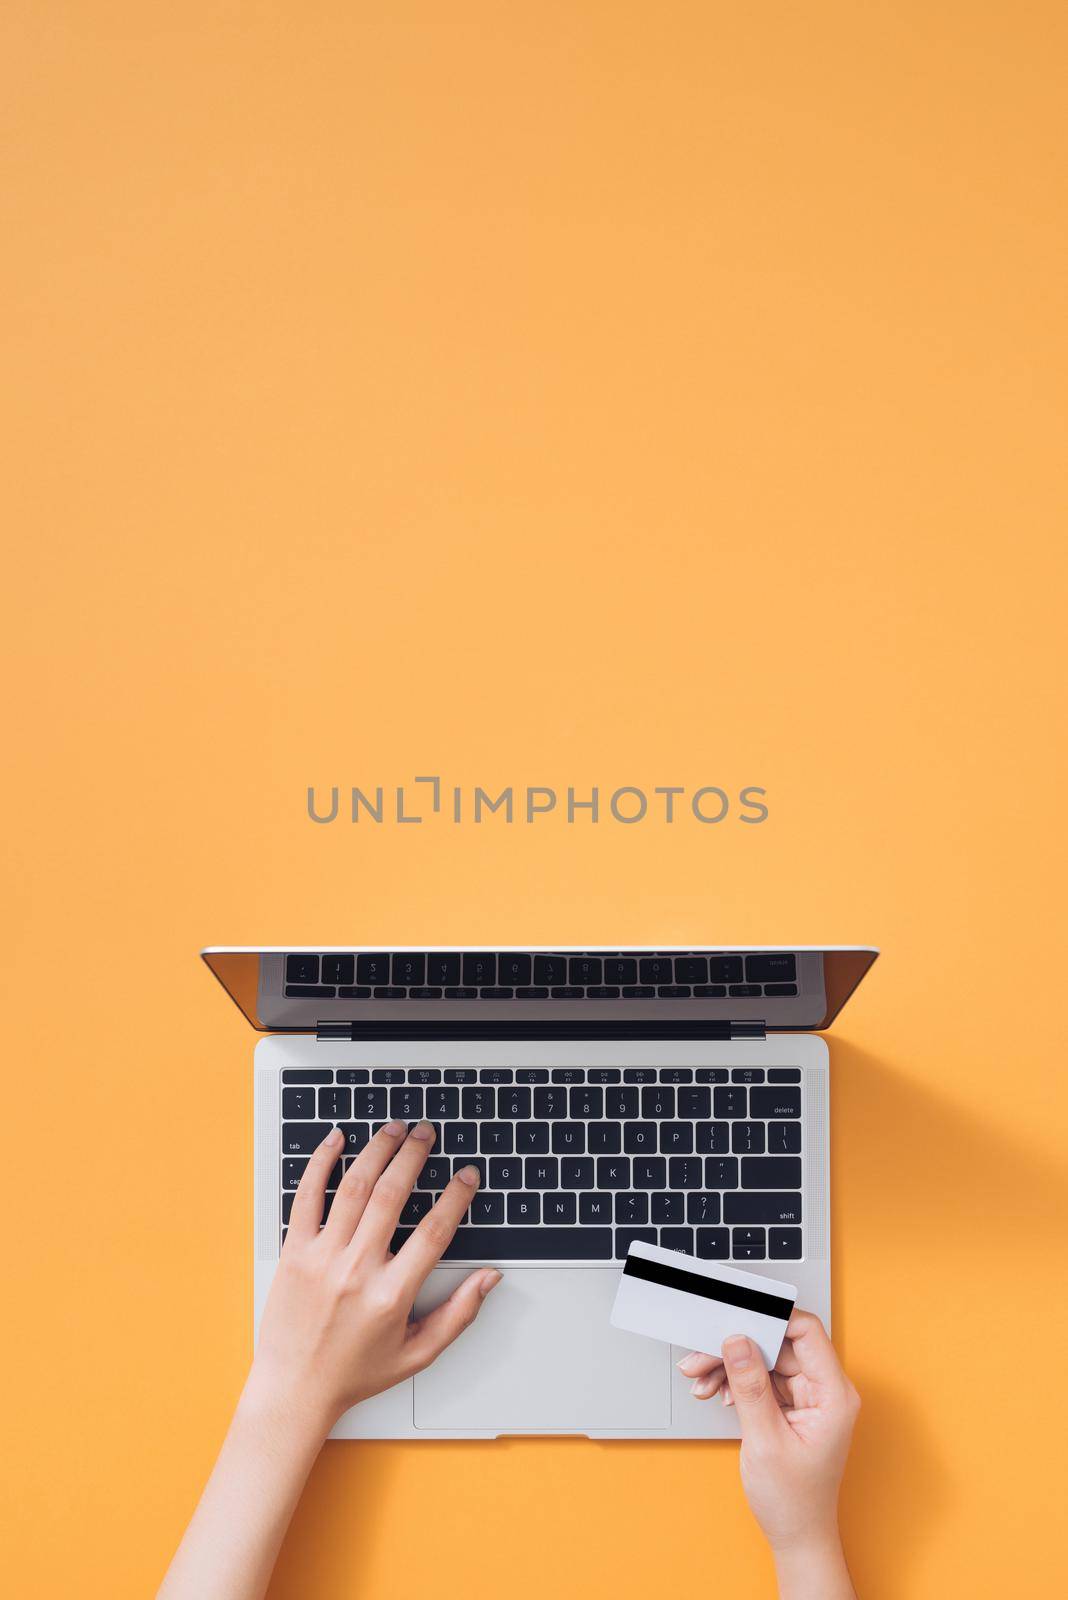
(684, 1300)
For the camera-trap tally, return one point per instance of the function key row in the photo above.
(539, 1075)
(504, 975)
(517, 1102)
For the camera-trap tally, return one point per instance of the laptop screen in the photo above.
(530, 991)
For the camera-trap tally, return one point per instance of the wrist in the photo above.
(270, 1403)
(812, 1564)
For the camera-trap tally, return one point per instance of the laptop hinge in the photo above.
(557, 1029)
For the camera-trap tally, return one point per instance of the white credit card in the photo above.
(683, 1300)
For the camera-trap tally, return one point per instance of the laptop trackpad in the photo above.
(543, 1357)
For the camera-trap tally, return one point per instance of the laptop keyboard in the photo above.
(513, 975)
(576, 1162)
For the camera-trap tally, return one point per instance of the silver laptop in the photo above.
(674, 1095)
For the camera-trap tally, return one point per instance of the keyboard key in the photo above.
(748, 1244)
(721, 1172)
(632, 1208)
(292, 1172)
(677, 1239)
(443, 967)
(747, 1138)
(639, 1075)
(541, 1172)
(745, 1207)
(497, 1139)
(780, 991)
(338, 969)
(640, 1138)
(784, 1138)
(514, 1103)
(531, 1244)
(620, 969)
(532, 1075)
(307, 1075)
(771, 968)
(784, 1074)
(639, 991)
(595, 1208)
(388, 1075)
(480, 970)
(495, 1075)
(676, 1074)
(784, 1244)
(406, 1103)
(301, 1138)
(506, 1172)
(460, 1138)
(532, 1138)
(551, 970)
(602, 1074)
(673, 991)
(775, 1102)
(667, 1208)
(747, 1074)
(352, 1075)
(696, 1103)
(584, 970)
(442, 1104)
(487, 1209)
(372, 969)
(357, 1134)
(731, 1102)
(604, 1138)
(713, 1138)
(711, 1074)
(512, 968)
(298, 1102)
(569, 1074)
(656, 969)
(461, 1075)
(584, 1102)
(676, 1138)
(687, 1172)
(650, 1172)
(309, 991)
(479, 1162)
(524, 1209)
(745, 991)
(771, 1172)
(479, 1102)
(461, 994)
(703, 1208)
(577, 1173)
(390, 991)
(568, 1138)
(302, 968)
(613, 1172)
(724, 969)
(691, 969)
(602, 991)
(415, 1208)
(287, 1205)
(354, 991)
(559, 1209)
(550, 1102)
(408, 969)
(533, 991)
(495, 992)
(713, 1244)
(658, 1101)
(437, 1170)
(625, 1237)
(621, 1103)
(369, 1104)
(424, 992)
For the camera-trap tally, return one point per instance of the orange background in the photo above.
(617, 394)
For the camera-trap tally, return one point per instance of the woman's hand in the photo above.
(797, 1422)
(335, 1328)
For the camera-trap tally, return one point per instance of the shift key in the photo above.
(742, 1207)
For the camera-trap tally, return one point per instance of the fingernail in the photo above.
(335, 1136)
(396, 1130)
(686, 1363)
(702, 1387)
(737, 1352)
(470, 1175)
(728, 1398)
(423, 1130)
(488, 1281)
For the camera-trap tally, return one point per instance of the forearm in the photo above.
(814, 1570)
(230, 1546)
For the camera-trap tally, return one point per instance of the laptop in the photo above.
(674, 1095)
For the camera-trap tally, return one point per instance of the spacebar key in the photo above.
(530, 1244)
